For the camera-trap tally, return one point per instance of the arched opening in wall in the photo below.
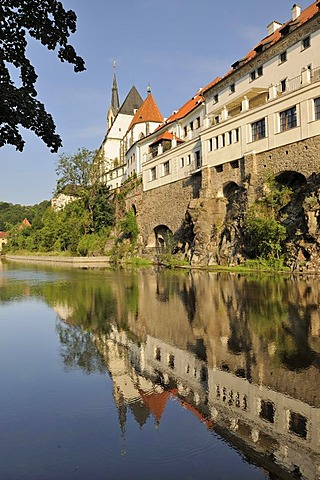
(234, 194)
(293, 186)
(229, 239)
(291, 179)
(163, 238)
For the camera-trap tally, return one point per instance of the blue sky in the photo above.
(177, 46)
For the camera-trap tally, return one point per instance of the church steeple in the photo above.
(115, 105)
(115, 96)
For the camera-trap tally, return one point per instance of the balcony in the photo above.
(315, 75)
(195, 166)
(292, 84)
(252, 98)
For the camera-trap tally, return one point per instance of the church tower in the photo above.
(114, 106)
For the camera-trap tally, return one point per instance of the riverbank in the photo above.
(83, 262)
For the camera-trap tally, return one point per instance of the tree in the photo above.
(48, 22)
(77, 171)
(80, 175)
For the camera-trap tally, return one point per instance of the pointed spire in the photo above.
(115, 96)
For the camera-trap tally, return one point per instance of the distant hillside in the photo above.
(13, 214)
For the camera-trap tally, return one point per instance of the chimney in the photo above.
(273, 26)
(296, 11)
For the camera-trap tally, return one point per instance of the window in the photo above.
(288, 119)
(283, 57)
(210, 144)
(267, 411)
(283, 85)
(223, 140)
(182, 162)
(171, 361)
(258, 129)
(191, 125)
(215, 144)
(317, 109)
(166, 168)
(198, 122)
(157, 354)
(298, 424)
(197, 158)
(230, 137)
(232, 88)
(188, 159)
(153, 174)
(216, 119)
(305, 43)
(260, 71)
(216, 98)
(185, 131)
(234, 164)
(237, 135)
(256, 73)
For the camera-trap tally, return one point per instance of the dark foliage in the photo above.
(48, 22)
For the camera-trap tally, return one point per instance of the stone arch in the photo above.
(163, 236)
(232, 193)
(291, 179)
(293, 216)
(229, 189)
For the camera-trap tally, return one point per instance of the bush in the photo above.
(265, 237)
(91, 245)
(129, 226)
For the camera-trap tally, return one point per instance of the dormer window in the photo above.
(232, 88)
(216, 98)
(262, 47)
(239, 63)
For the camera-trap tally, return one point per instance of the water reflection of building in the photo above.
(283, 432)
(242, 353)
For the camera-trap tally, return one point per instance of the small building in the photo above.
(3, 239)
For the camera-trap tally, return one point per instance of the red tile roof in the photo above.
(270, 40)
(148, 112)
(25, 223)
(190, 105)
(167, 136)
(186, 108)
(156, 402)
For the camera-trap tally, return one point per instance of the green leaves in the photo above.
(49, 23)
(265, 237)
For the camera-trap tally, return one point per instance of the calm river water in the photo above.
(147, 375)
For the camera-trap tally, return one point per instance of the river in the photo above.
(158, 375)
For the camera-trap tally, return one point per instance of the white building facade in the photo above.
(270, 98)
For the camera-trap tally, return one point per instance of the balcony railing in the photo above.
(293, 84)
(290, 85)
(315, 75)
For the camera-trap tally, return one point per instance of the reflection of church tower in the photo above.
(114, 106)
(122, 417)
